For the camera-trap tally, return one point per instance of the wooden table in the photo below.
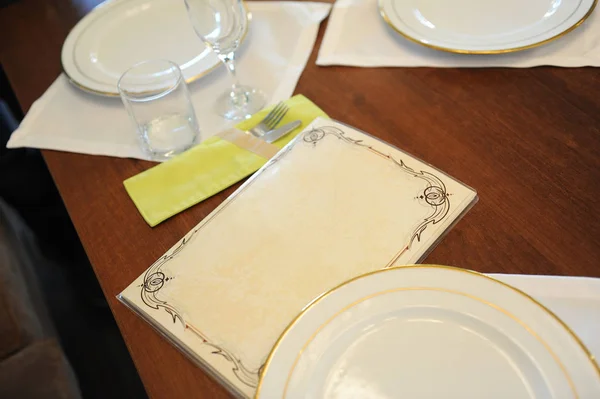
(527, 139)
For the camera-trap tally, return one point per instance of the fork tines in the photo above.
(276, 114)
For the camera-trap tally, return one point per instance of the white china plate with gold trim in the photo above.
(121, 33)
(484, 26)
(428, 332)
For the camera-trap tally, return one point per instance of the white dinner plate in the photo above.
(484, 26)
(121, 33)
(428, 332)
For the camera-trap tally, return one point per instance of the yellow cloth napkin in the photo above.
(204, 170)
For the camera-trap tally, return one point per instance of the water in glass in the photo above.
(169, 134)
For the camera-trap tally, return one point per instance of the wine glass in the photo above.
(221, 24)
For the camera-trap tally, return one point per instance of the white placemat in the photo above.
(274, 54)
(357, 36)
(576, 300)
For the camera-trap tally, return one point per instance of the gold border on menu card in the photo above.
(502, 51)
(116, 93)
(327, 293)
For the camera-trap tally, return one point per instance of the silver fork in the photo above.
(270, 121)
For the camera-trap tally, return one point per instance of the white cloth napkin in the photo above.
(575, 300)
(357, 36)
(272, 58)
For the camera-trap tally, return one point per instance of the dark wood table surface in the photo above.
(528, 140)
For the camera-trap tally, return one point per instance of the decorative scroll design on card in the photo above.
(244, 374)
(434, 195)
(155, 279)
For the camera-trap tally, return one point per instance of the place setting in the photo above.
(468, 33)
(307, 280)
(81, 111)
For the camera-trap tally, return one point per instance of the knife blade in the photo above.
(278, 133)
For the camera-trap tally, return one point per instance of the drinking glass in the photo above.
(221, 24)
(158, 101)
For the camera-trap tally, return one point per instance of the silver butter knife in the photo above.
(278, 133)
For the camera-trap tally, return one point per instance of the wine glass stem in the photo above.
(238, 95)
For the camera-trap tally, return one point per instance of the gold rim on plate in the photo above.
(116, 93)
(502, 51)
(293, 323)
